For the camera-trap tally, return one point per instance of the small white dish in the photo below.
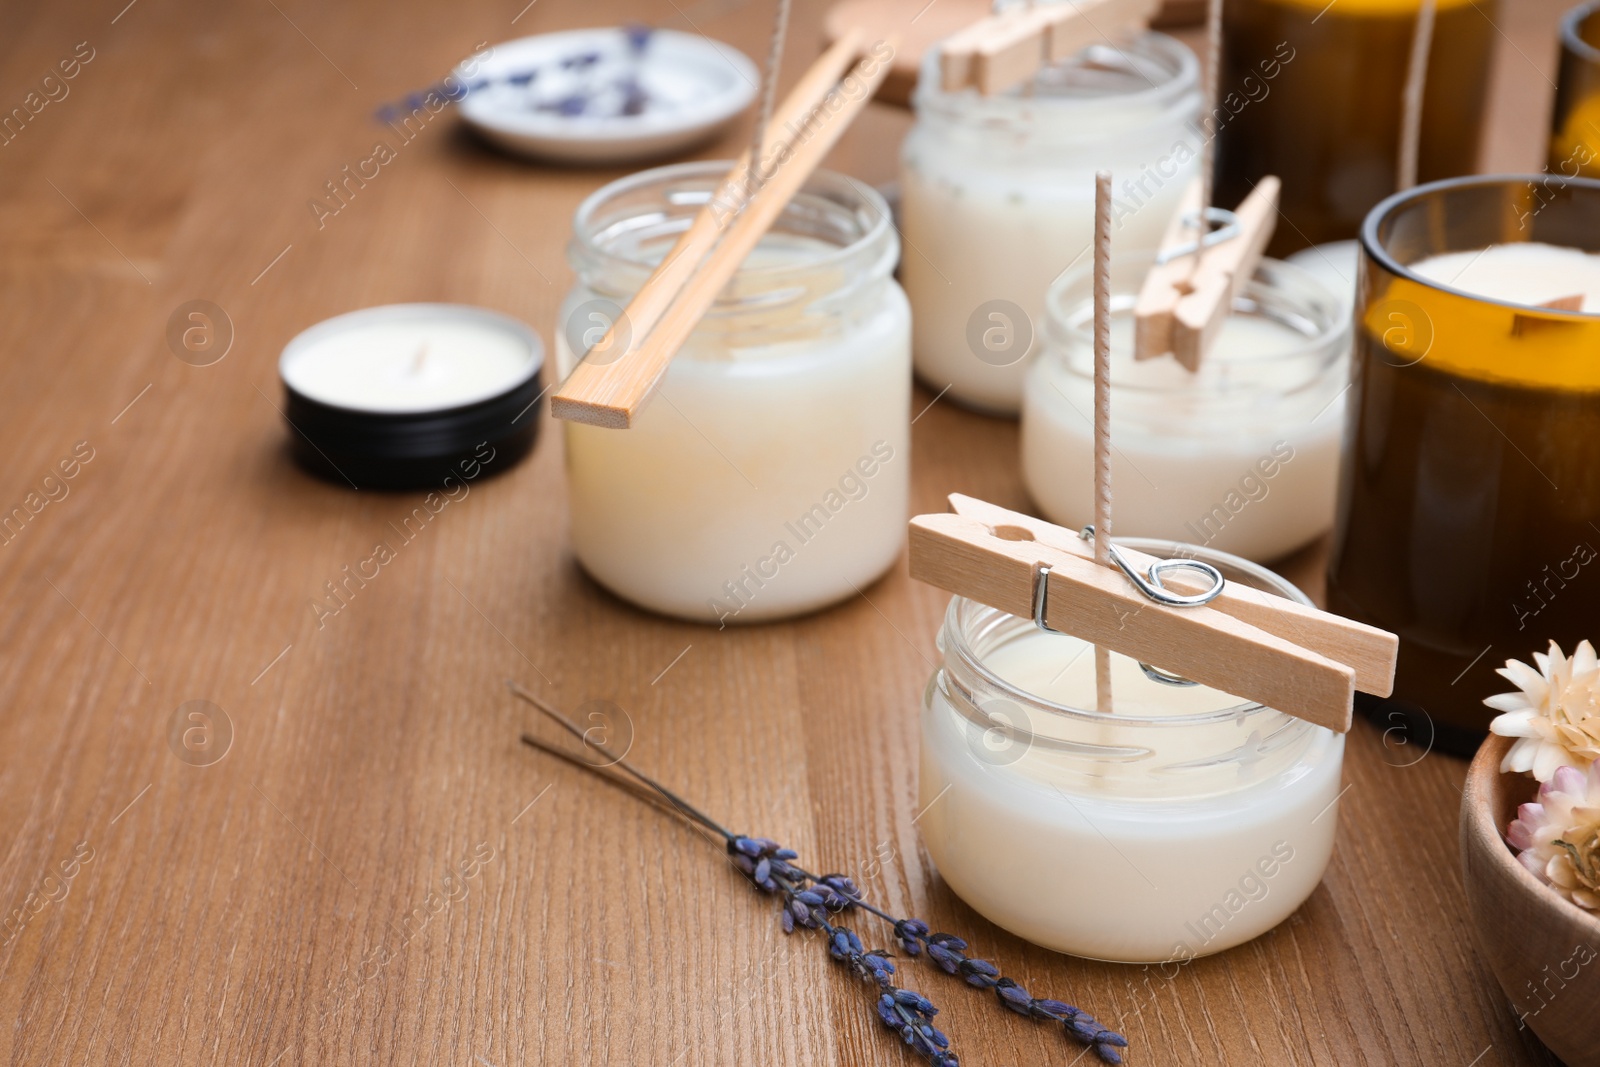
(599, 96)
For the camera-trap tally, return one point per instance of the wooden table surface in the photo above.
(301, 900)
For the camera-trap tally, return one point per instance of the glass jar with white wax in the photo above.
(997, 199)
(1183, 823)
(1241, 455)
(769, 473)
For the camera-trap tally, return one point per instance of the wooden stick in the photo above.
(1520, 323)
(650, 361)
(598, 392)
(1098, 604)
(1411, 100)
(1369, 651)
(1007, 48)
(1102, 412)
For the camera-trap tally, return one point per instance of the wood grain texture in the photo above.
(289, 905)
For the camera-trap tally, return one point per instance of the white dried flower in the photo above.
(1559, 835)
(1554, 715)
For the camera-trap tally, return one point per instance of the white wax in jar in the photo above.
(978, 243)
(998, 202)
(1335, 265)
(1254, 476)
(1526, 273)
(409, 358)
(768, 476)
(1129, 855)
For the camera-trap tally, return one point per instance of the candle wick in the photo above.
(420, 358)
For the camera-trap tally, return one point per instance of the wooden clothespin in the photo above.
(1008, 47)
(1190, 292)
(1246, 642)
(609, 391)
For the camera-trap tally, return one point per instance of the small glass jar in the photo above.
(1241, 456)
(1575, 121)
(769, 474)
(1313, 92)
(1184, 823)
(997, 199)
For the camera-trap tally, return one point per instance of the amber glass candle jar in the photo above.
(1575, 123)
(1469, 500)
(1328, 123)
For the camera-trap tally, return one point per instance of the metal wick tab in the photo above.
(1149, 584)
(1228, 229)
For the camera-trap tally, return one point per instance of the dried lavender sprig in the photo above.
(808, 898)
(452, 89)
(837, 892)
(618, 761)
(905, 1011)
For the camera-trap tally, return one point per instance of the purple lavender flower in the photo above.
(638, 36)
(949, 952)
(634, 97)
(571, 105)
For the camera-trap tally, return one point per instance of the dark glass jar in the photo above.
(1311, 91)
(1469, 500)
(1575, 122)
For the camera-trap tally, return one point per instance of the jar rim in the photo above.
(1182, 65)
(1373, 247)
(957, 640)
(839, 188)
(1572, 27)
(1330, 337)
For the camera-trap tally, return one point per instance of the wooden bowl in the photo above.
(1545, 951)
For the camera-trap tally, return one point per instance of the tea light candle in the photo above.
(1242, 456)
(997, 199)
(1182, 824)
(398, 396)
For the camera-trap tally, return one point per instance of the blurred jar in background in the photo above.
(1329, 125)
(1575, 123)
(997, 199)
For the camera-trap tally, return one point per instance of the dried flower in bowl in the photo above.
(1554, 714)
(1558, 835)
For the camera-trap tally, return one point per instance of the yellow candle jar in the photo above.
(1469, 510)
